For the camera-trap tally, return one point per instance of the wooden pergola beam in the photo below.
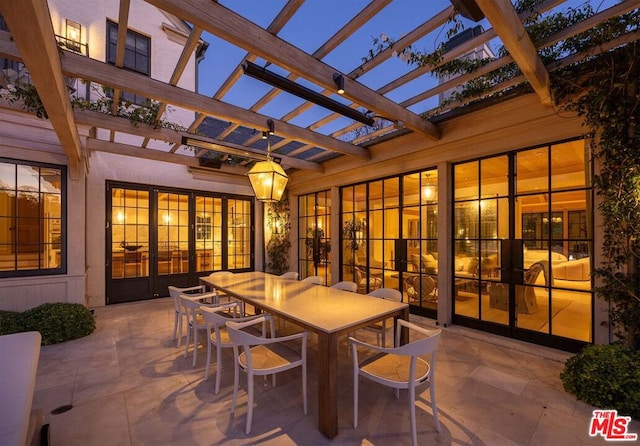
(37, 47)
(99, 145)
(123, 25)
(505, 21)
(243, 33)
(123, 125)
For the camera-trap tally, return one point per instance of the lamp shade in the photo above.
(268, 181)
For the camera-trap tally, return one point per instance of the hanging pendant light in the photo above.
(268, 179)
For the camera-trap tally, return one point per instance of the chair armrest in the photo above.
(194, 288)
(201, 296)
(259, 319)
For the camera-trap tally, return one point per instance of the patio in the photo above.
(130, 385)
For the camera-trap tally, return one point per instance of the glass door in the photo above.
(161, 237)
(522, 243)
(314, 229)
(128, 239)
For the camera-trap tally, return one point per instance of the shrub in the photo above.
(58, 322)
(9, 322)
(605, 376)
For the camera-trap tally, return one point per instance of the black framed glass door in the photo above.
(160, 237)
(522, 238)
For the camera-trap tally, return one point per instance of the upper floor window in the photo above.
(137, 55)
(32, 205)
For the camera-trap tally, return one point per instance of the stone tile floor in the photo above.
(129, 384)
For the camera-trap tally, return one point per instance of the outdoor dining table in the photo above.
(328, 312)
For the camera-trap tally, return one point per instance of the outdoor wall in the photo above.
(25, 137)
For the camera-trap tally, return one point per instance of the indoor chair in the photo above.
(346, 285)
(264, 356)
(400, 368)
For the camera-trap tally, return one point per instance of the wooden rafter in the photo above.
(377, 59)
(123, 26)
(39, 52)
(245, 34)
(509, 28)
(138, 152)
(566, 33)
(276, 25)
(123, 125)
(187, 51)
(343, 33)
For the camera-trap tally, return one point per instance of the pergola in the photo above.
(304, 148)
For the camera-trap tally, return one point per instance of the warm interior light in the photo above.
(73, 31)
(120, 217)
(268, 179)
(429, 192)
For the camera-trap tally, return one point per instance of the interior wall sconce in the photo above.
(73, 33)
(339, 81)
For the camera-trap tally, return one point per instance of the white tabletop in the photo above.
(320, 308)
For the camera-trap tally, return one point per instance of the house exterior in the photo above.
(129, 226)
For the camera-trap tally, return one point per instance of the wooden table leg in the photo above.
(327, 384)
(404, 333)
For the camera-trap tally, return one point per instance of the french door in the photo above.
(160, 237)
(522, 244)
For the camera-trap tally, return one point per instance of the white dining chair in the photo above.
(221, 294)
(179, 313)
(261, 356)
(346, 285)
(217, 334)
(290, 275)
(380, 328)
(316, 280)
(195, 323)
(400, 368)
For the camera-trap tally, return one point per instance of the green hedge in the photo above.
(605, 376)
(56, 322)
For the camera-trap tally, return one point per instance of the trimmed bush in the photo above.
(605, 376)
(56, 322)
(9, 322)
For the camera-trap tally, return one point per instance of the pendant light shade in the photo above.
(268, 180)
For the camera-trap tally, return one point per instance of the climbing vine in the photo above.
(278, 246)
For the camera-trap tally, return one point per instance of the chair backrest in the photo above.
(212, 316)
(290, 275)
(175, 293)
(316, 280)
(239, 337)
(387, 293)
(346, 285)
(427, 344)
(221, 273)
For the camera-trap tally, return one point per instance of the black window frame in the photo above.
(111, 47)
(62, 269)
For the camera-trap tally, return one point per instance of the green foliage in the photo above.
(56, 322)
(9, 322)
(279, 244)
(27, 95)
(605, 376)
